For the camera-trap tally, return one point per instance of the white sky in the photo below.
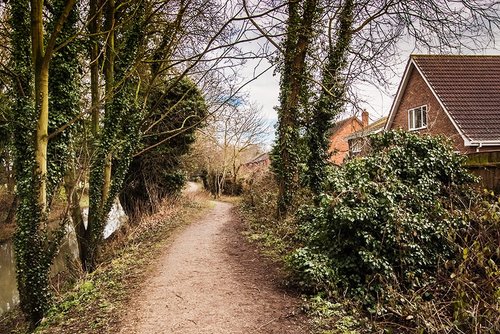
(264, 91)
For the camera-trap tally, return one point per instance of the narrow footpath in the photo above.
(210, 280)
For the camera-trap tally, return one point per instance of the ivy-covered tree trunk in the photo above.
(35, 246)
(94, 31)
(120, 133)
(331, 100)
(100, 173)
(286, 155)
(73, 175)
(31, 272)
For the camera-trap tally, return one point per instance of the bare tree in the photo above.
(231, 131)
(376, 32)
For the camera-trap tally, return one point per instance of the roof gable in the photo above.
(372, 128)
(467, 88)
(342, 123)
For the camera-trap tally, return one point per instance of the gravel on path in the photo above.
(210, 280)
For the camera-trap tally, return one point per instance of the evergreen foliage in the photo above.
(330, 102)
(173, 117)
(387, 221)
(65, 91)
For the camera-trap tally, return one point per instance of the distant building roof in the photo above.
(374, 127)
(260, 158)
(468, 88)
(340, 124)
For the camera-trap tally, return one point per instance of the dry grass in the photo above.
(94, 303)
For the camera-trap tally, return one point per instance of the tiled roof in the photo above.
(374, 127)
(340, 124)
(260, 158)
(469, 89)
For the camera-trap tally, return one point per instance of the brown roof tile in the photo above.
(469, 88)
(374, 127)
(340, 124)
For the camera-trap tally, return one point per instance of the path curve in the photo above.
(210, 281)
(192, 188)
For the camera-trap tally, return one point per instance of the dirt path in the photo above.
(192, 188)
(211, 281)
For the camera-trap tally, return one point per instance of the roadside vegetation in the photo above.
(400, 241)
(95, 302)
(99, 99)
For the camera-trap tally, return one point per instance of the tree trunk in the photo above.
(73, 198)
(94, 63)
(100, 178)
(41, 102)
(109, 76)
(298, 39)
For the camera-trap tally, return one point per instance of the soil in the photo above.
(211, 280)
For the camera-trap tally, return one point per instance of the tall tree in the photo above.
(331, 99)
(35, 246)
(285, 156)
(118, 138)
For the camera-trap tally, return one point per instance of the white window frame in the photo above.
(412, 113)
(357, 145)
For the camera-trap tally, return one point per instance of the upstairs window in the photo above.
(356, 145)
(417, 118)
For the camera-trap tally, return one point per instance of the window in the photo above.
(417, 118)
(356, 146)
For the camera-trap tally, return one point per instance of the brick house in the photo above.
(261, 162)
(454, 96)
(359, 142)
(339, 147)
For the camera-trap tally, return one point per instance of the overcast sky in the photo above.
(265, 90)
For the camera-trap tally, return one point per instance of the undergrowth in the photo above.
(96, 301)
(401, 242)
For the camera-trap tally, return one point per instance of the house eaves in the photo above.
(412, 64)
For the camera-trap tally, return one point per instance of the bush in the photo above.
(260, 192)
(388, 220)
(156, 173)
(212, 181)
(475, 281)
(278, 237)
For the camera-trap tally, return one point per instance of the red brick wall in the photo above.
(338, 142)
(417, 94)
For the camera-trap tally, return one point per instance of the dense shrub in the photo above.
(156, 172)
(213, 182)
(401, 231)
(387, 221)
(260, 191)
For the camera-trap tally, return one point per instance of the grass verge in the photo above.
(275, 240)
(96, 301)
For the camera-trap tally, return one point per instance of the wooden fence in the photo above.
(487, 166)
